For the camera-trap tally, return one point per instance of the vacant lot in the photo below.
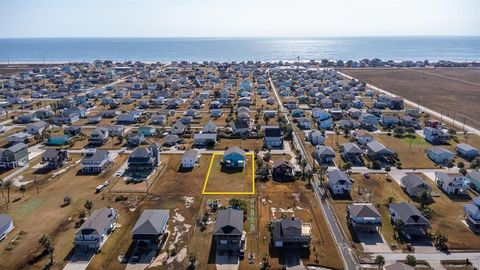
(223, 179)
(447, 90)
(411, 155)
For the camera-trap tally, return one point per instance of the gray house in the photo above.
(151, 226)
(14, 156)
(54, 158)
(291, 232)
(414, 186)
(339, 182)
(324, 154)
(96, 162)
(95, 230)
(467, 151)
(351, 152)
(378, 151)
(364, 217)
(408, 219)
(228, 231)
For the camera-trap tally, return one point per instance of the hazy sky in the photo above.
(237, 18)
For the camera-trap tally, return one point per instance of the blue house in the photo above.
(59, 140)
(234, 157)
(147, 131)
(325, 124)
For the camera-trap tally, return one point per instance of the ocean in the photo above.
(38, 50)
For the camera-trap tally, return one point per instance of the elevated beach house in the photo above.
(364, 217)
(151, 226)
(234, 157)
(95, 230)
(291, 233)
(228, 231)
(144, 160)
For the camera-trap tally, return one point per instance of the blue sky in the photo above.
(237, 18)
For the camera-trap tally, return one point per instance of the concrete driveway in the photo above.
(226, 262)
(373, 242)
(79, 261)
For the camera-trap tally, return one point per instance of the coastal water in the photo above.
(238, 49)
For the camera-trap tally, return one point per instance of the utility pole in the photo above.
(36, 184)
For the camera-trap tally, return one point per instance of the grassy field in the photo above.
(37, 214)
(447, 90)
(414, 156)
(223, 179)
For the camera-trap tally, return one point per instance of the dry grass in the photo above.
(230, 180)
(410, 157)
(434, 92)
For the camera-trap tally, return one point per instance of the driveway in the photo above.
(293, 262)
(79, 261)
(373, 242)
(226, 262)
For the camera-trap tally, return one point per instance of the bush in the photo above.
(376, 165)
(411, 260)
(120, 198)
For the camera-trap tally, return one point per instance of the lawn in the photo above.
(410, 157)
(223, 179)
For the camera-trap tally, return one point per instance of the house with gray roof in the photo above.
(95, 230)
(351, 152)
(324, 154)
(144, 160)
(440, 155)
(291, 232)
(151, 226)
(414, 186)
(228, 231)
(339, 182)
(14, 156)
(378, 151)
(6, 225)
(190, 158)
(452, 183)
(54, 158)
(408, 219)
(466, 151)
(364, 217)
(399, 266)
(474, 178)
(96, 162)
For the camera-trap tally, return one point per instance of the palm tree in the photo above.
(47, 244)
(88, 205)
(7, 184)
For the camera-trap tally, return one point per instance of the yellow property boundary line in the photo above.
(229, 193)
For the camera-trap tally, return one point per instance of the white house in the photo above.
(363, 137)
(190, 158)
(19, 137)
(210, 127)
(339, 182)
(6, 225)
(452, 183)
(95, 230)
(316, 137)
(36, 128)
